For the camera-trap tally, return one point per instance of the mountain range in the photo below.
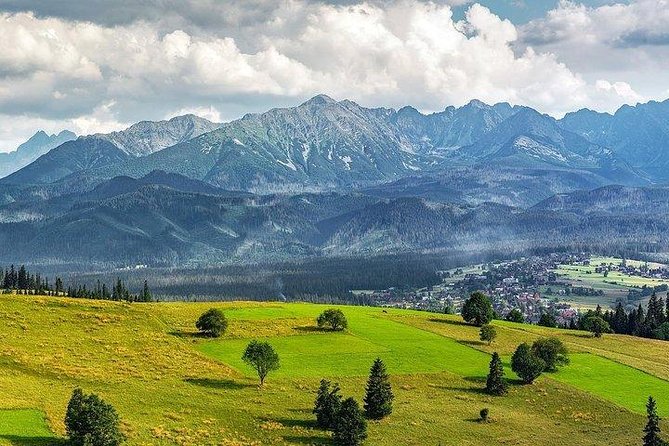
(332, 178)
(38, 144)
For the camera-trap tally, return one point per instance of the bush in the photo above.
(484, 414)
(212, 323)
(527, 365)
(552, 351)
(350, 429)
(477, 309)
(262, 357)
(91, 421)
(333, 318)
(488, 333)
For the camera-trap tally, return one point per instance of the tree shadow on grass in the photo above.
(190, 335)
(292, 422)
(226, 384)
(473, 343)
(306, 439)
(450, 322)
(312, 329)
(18, 440)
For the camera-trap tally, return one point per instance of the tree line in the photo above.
(22, 281)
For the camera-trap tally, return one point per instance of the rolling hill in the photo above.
(170, 386)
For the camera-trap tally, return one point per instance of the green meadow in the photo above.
(172, 387)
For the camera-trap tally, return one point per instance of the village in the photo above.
(529, 284)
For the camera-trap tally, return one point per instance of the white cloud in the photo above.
(98, 77)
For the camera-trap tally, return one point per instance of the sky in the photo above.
(101, 65)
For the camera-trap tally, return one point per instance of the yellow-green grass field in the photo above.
(172, 387)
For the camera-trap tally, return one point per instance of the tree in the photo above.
(327, 405)
(146, 293)
(350, 428)
(91, 421)
(379, 394)
(515, 316)
(651, 433)
(477, 309)
(496, 384)
(484, 413)
(526, 365)
(547, 320)
(488, 333)
(596, 325)
(262, 357)
(655, 314)
(662, 332)
(552, 351)
(212, 323)
(334, 318)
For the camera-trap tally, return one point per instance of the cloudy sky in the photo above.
(100, 65)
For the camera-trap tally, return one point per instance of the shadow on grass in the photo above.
(190, 335)
(292, 423)
(450, 322)
(473, 343)
(18, 440)
(581, 335)
(306, 439)
(227, 384)
(312, 329)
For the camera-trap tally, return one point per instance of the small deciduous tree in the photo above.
(327, 405)
(527, 365)
(262, 357)
(485, 412)
(350, 427)
(651, 433)
(552, 351)
(547, 320)
(332, 318)
(212, 323)
(91, 421)
(477, 309)
(515, 316)
(496, 384)
(596, 325)
(379, 394)
(488, 333)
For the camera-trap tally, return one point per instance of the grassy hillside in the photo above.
(172, 387)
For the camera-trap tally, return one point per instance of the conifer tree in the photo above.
(651, 433)
(496, 384)
(327, 405)
(350, 428)
(379, 395)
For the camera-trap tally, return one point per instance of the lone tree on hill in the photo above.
(333, 318)
(496, 384)
(91, 421)
(350, 428)
(488, 333)
(527, 365)
(327, 405)
(379, 395)
(552, 351)
(596, 325)
(515, 316)
(477, 309)
(262, 357)
(651, 433)
(212, 323)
